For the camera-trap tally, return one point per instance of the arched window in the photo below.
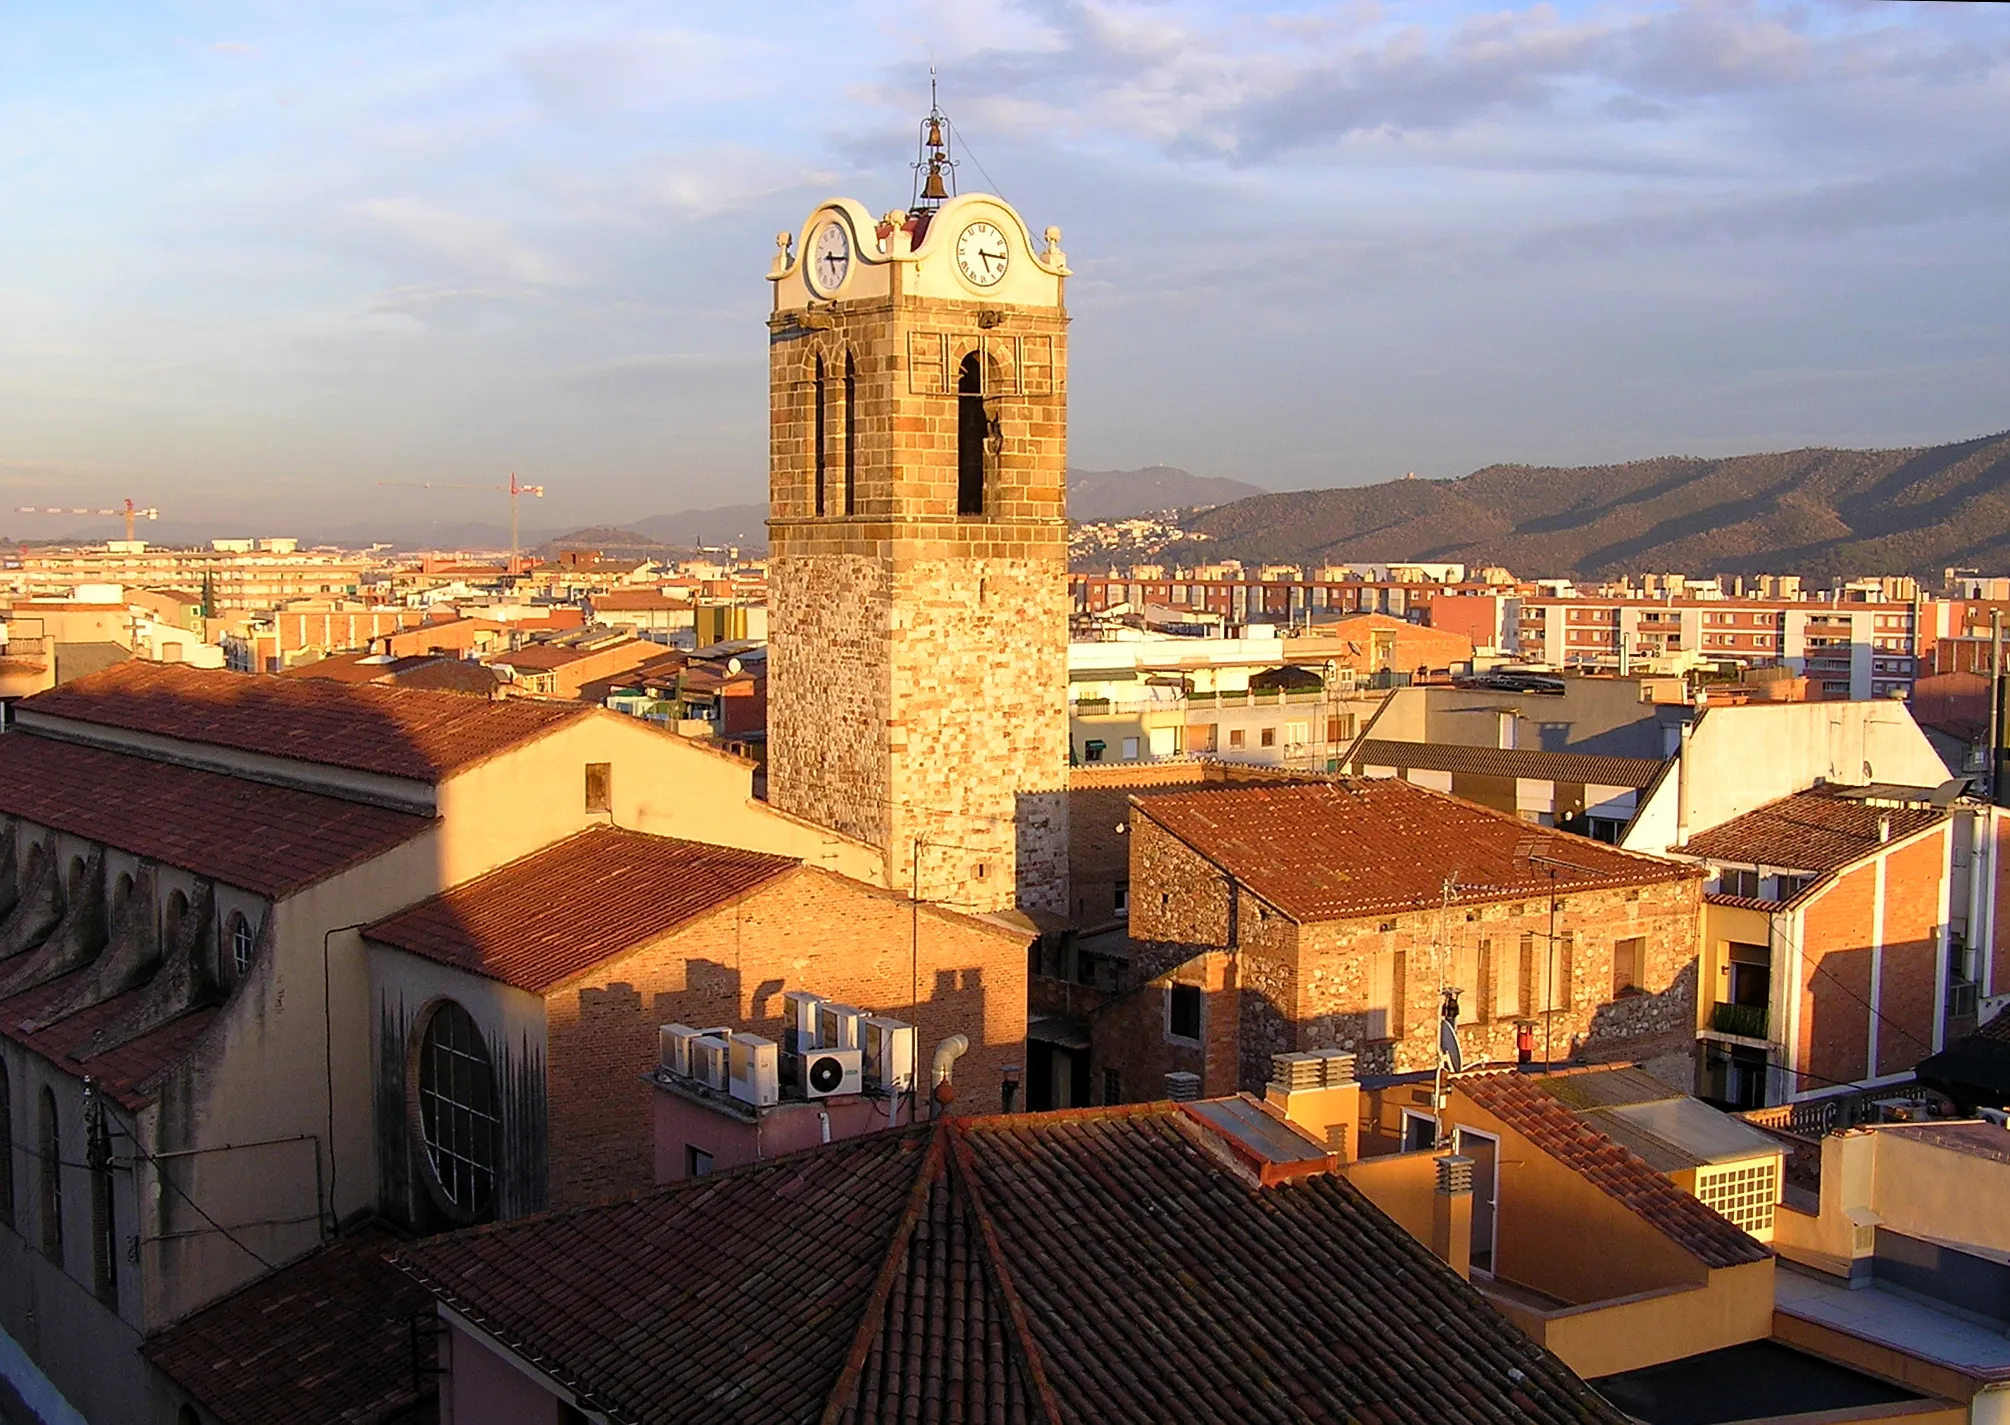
(187, 1416)
(122, 891)
(177, 912)
(104, 1223)
(822, 435)
(48, 1148)
(971, 428)
(850, 436)
(242, 943)
(6, 1150)
(460, 1116)
(76, 878)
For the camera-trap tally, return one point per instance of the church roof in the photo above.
(394, 732)
(556, 913)
(1093, 1264)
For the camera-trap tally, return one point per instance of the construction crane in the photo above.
(513, 488)
(129, 510)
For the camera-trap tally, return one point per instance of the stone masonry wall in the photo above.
(1308, 987)
(918, 683)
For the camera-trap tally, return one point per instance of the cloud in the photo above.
(476, 245)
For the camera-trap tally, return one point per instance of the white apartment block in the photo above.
(1847, 650)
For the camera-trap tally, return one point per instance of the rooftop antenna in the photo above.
(934, 169)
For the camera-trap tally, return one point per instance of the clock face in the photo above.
(830, 258)
(981, 254)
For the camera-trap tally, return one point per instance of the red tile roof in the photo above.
(272, 840)
(127, 1071)
(1332, 850)
(540, 920)
(1094, 1264)
(1520, 1102)
(398, 732)
(1635, 772)
(1809, 831)
(326, 1340)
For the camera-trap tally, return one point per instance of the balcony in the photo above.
(1746, 1021)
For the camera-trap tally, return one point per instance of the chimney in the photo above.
(1182, 1087)
(1452, 1214)
(1318, 1092)
(1883, 830)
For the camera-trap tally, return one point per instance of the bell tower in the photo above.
(917, 568)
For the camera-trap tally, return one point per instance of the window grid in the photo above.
(457, 1110)
(1745, 1195)
(240, 943)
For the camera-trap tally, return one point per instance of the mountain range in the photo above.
(1816, 512)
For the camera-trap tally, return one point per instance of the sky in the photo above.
(256, 258)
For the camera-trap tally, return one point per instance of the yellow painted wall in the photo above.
(1401, 1184)
(1734, 1306)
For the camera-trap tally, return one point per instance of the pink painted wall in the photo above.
(786, 1128)
(482, 1388)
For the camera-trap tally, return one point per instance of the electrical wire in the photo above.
(142, 1155)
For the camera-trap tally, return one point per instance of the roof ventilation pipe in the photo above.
(946, 1055)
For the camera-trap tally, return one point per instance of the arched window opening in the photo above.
(48, 1149)
(187, 1416)
(104, 1224)
(122, 892)
(460, 1118)
(76, 879)
(177, 912)
(242, 943)
(6, 1150)
(850, 436)
(823, 436)
(971, 428)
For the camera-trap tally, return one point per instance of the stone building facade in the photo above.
(1282, 973)
(918, 538)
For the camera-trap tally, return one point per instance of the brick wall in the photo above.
(1909, 964)
(1836, 930)
(810, 931)
(1131, 1035)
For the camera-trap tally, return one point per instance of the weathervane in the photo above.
(934, 169)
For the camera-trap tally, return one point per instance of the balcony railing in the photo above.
(1747, 1021)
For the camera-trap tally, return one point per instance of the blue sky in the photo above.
(255, 258)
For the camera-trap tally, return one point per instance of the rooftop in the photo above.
(1092, 1264)
(1634, 772)
(1521, 1102)
(546, 917)
(1332, 850)
(325, 1340)
(91, 1041)
(395, 732)
(1818, 831)
(1759, 1380)
(262, 838)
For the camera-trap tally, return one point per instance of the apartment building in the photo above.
(232, 576)
(1289, 599)
(1846, 650)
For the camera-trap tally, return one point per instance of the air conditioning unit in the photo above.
(838, 1026)
(675, 1041)
(755, 1068)
(827, 1072)
(889, 1055)
(799, 1016)
(711, 1058)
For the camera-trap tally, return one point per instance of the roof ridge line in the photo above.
(1001, 1275)
(934, 1166)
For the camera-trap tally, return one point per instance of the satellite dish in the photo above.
(1448, 1046)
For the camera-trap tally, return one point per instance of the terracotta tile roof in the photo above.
(272, 840)
(1635, 772)
(398, 732)
(71, 1043)
(326, 1340)
(1332, 850)
(1741, 902)
(1094, 1264)
(1520, 1102)
(1809, 831)
(540, 920)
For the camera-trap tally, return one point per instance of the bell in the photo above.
(935, 133)
(932, 190)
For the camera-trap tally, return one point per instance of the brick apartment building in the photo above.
(1276, 918)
